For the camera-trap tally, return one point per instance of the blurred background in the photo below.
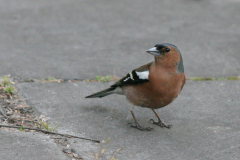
(84, 38)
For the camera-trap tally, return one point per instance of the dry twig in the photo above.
(49, 132)
(1, 111)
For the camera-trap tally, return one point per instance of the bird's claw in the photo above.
(161, 124)
(136, 125)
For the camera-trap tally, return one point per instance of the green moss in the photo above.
(8, 90)
(5, 81)
(212, 79)
(202, 79)
(233, 78)
(48, 127)
(103, 79)
(51, 79)
(221, 79)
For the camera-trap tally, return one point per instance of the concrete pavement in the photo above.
(205, 119)
(28, 145)
(83, 39)
(68, 39)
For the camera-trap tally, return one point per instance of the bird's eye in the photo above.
(167, 49)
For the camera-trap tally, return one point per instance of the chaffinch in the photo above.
(153, 85)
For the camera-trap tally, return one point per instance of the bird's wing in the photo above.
(136, 76)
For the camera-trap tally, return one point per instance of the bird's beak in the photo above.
(153, 51)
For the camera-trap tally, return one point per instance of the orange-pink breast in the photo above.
(163, 87)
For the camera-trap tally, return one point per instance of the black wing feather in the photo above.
(128, 79)
(132, 77)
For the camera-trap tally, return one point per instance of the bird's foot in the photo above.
(136, 125)
(161, 124)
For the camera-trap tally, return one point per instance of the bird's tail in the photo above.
(102, 93)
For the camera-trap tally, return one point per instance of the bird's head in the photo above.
(167, 55)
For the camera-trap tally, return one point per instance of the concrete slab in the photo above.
(205, 119)
(82, 39)
(16, 145)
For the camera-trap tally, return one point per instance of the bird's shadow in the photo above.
(105, 112)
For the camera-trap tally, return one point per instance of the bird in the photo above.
(153, 85)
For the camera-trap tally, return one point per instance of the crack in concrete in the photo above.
(45, 80)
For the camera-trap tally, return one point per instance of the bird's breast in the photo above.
(161, 89)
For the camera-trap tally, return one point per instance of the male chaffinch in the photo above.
(153, 85)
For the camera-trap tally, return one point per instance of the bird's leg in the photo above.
(137, 125)
(159, 123)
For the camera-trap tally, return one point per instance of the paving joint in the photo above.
(114, 78)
